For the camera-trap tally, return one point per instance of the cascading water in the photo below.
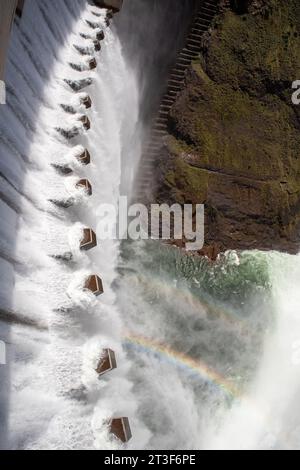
(195, 334)
(207, 354)
(215, 347)
(267, 417)
(57, 331)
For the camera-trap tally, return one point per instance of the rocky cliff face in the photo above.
(234, 135)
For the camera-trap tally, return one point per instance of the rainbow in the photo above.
(182, 361)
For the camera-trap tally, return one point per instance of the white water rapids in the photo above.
(185, 333)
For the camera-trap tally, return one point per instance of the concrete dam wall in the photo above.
(7, 13)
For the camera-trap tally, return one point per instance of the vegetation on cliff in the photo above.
(234, 135)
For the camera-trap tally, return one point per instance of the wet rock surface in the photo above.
(233, 138)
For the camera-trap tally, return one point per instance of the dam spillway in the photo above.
(55, 154)
(112, 345)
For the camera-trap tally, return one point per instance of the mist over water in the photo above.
(215, 347)
(211, 318)
(152, 33)
(55, 331)
(208, 354)
(268, 417)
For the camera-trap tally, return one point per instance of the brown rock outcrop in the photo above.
(233, 138)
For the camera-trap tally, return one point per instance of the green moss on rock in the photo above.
(235, 135)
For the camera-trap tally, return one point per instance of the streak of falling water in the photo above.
(56, 400)
(268, 416)
(215, 347)
(187, 334)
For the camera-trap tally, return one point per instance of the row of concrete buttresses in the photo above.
(119, 426)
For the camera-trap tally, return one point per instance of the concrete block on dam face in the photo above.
(92, 64)
(84, 158)
(86, 185)
(97, 45)
(89, 239)
(107, 362)
(114, 5)
(100, 35)
(86, 101)
(94, 284)
(86, 122)
(120, 428)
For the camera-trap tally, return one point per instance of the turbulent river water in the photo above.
(215, 348)
(208, 355)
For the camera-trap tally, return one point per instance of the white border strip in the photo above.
(2, 92)
(2, 353)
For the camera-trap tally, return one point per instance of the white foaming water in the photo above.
(268, 416)
(216, 373)
(49, 389)
(56, 400)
